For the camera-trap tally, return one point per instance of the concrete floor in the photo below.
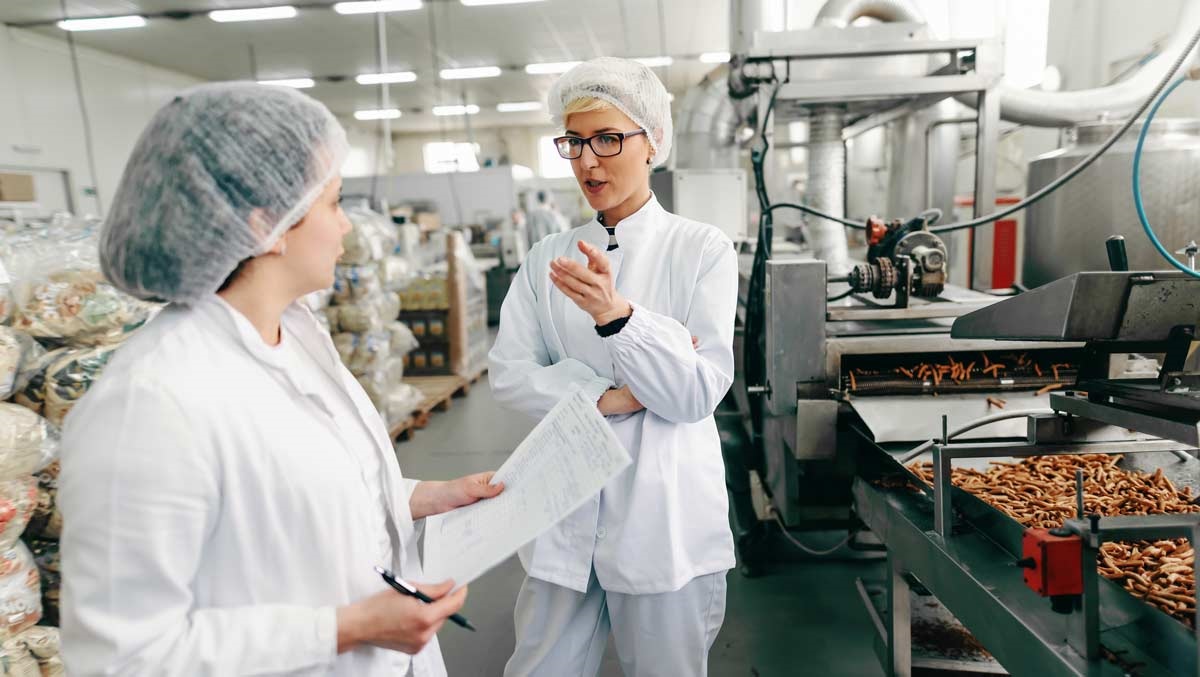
(803, 618)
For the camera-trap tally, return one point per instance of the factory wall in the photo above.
(41, 126)
(500, 145)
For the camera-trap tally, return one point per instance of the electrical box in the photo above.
(1053, 564)
(713, 196)
(16, 187)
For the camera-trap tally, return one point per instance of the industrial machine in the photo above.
(1033, 597)
(854, 364)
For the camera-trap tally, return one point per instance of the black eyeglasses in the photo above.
(607, 144)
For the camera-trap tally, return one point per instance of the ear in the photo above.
(259, 225)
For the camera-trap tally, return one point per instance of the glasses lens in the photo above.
(569, 147)
(606, 145)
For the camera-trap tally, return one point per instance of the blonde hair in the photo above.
(586, 104)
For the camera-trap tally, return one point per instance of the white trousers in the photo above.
(563, 633)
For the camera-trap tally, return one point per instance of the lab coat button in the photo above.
(601, 533)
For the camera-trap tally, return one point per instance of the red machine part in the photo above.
(1053, 564)
(876, 230)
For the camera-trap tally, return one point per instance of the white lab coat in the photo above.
(544, 222)
(213, 520)
(664, 520)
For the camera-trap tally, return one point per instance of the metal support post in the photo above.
(899, 622)
(943, 508)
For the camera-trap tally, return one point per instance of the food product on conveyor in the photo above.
(1040, 492)
(903, 374)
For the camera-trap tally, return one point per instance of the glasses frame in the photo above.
(588, 142)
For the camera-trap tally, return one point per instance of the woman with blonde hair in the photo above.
(636, 309)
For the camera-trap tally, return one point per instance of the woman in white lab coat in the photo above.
(636, 309)
(227, 486)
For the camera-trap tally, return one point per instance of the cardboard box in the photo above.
(16, 188)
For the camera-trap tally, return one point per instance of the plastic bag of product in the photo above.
(17, 661)
(378, 384)
(17, 350)
(69, 379)
(400, 403)
(403, 340)
(44, 644)
(318, 300)
(18, 499)
(357, 282)
(363, 353)
(372, 237)
(30, 386)
(371, 314)
(48, 560)
(46, 520)
(20, 591)
(396, 272)
(28, 442)
(60, 294)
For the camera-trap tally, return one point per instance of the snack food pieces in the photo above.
(1040, 492)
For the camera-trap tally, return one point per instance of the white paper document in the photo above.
(566, 460)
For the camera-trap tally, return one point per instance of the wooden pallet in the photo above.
(439, 390)
(468, 381)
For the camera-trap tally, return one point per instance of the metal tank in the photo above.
(1065, 233)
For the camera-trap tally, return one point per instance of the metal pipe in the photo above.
(708, 121)
(842, 13)
(826, 188)
(1064, 109)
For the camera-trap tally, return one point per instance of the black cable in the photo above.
(817, 213)
(89, 146)
(1045, 190)
(1087, 161)
(839, 297)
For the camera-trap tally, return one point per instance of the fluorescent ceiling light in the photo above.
(656, 61)
(470, 109)
(254, 14)
(481, 3)
(377, 6)
(471, 73)
(715, 57)
(377, 114)
(553, 68)
(385, 78)
(294, 83)
(102, 24)
(519, 107)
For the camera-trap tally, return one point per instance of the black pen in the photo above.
(405, 588)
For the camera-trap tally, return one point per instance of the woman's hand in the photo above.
(618, 402)
(591, 287)
(435, 498)
(397, 622)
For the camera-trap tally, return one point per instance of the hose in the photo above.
(1048, 188)
(977, 423)
(1137, 183)
(804, 548)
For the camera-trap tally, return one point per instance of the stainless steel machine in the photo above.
(972, 556)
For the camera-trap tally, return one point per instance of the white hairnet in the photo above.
(631, 87)
(219, 174)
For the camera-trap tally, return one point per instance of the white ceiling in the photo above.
(320, 42)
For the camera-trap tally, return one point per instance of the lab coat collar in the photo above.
(632, 231)
(295, 327)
